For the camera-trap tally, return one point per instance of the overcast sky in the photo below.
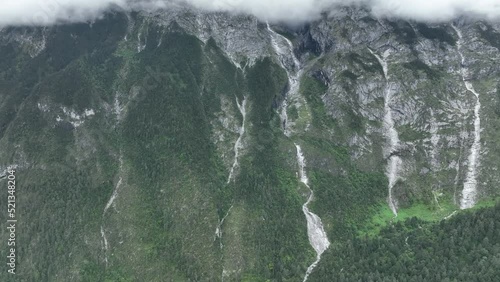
(44, 12)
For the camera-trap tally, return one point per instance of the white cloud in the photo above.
(437, 10)
(44, 12)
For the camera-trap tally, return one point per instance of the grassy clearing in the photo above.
(383, 215)
(487, 203)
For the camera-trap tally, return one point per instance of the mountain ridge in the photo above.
(125, 132)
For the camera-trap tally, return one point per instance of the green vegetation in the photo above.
(287, 34)
(279, 238)
(166, 139)
(383, 216)
(417, 65)
(464, 248)
(160, 139)
(66, 175)
(368, 64)
(172, 175)
(341, 187)
(348, 190)
(404, 32)
(293, 113)
(312, 91)
(487, 203)
(436, 33)
(409, 134)
(490, 35)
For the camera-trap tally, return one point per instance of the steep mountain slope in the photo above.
(431, 130)
(163, 146)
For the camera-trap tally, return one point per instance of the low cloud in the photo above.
(47, 12)
(436, 10)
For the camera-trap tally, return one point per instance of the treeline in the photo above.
(463, 248)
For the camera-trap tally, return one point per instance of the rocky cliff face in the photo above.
(432, 108)
(432, 72)
(178, 129)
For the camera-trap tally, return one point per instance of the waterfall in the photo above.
(289, 62)
(106, 208)
(470, 186)
(315, 231)
(238, 145)
(394, 161)
(140, 45)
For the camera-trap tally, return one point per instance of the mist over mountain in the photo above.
(48, 12)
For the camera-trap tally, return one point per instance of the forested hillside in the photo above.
(465, 247)
(206, 146)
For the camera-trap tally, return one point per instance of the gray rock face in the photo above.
(432, 110)
(414, 104)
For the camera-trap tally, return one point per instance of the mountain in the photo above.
(183, 145)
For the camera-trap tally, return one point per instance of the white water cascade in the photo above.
(315, 231)
(218, 235)
(140, 45)
(394, 162)
(218, 229)
(284, 50)
(470, 185)
(238, 145)
(106, 208)
(289, 62)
